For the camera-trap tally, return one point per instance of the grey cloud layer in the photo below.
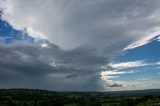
(25, 65)
(73, 23)
(88, 34)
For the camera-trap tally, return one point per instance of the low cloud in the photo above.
(27, 65)
(115, 85)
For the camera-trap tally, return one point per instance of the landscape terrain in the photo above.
(37, 97)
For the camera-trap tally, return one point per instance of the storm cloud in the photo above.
(29, 65)
(80, 37)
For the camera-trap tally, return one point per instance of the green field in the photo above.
(29, 97)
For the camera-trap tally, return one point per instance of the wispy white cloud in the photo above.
(110, 74)
(157, 63)
(143, 41)
(159, 38)
(130, 64)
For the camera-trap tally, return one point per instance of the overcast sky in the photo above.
(89, 45)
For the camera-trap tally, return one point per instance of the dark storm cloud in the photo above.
(27, 65)
(116, 85)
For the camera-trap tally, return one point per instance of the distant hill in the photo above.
(153, 92)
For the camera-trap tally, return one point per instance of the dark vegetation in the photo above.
(32, 97)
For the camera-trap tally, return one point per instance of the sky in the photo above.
(75, 45)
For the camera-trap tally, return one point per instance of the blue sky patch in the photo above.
(9, 34)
